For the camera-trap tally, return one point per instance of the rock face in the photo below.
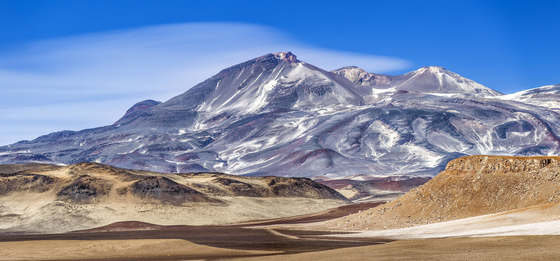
(469, 186)
(299, 187)
(166, 190)
(276, 115)
(85, 189)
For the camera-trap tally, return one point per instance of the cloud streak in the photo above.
(90, 80)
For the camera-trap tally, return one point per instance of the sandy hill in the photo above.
(48, 198)
(469, 186)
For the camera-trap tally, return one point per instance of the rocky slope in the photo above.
(276, 115)
(470, 186)
(48, 198)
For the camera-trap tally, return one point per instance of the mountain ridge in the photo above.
(430, 79)
(276, 115)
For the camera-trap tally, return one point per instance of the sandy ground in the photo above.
(139, 249)
(35, 212)
(537, 220)
(144, 241)
(491, 248)
(259, 241)
(487, 248)
(169, 243)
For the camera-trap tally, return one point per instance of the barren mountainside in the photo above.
(277, 115)
(469, 186)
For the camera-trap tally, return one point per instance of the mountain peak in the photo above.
(136, 109)
(436, 79)
(269, 82)
(286, 56)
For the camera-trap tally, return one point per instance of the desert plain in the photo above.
(479, 208)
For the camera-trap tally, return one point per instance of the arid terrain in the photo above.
(47, 198)
(279, 130)
(478, 208)
(471, 186)
(137, 241)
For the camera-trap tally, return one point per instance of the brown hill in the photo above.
(469, 186)
(87, 182)
(61, 198)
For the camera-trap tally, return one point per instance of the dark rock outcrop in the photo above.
(85, 189)
(300, 187)
(166, 190)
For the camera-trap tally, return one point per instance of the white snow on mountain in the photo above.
(546, 96)
(276, 115)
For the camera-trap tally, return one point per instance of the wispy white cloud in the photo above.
(90, 80)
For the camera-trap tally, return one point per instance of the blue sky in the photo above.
(81, 64)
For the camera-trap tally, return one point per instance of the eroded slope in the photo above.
(469, 186)
(46, 198)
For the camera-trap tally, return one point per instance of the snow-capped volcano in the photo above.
(435, 79)
(270, 82)
(276, 115)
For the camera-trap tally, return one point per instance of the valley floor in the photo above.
(265, 240)
(263, 245)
